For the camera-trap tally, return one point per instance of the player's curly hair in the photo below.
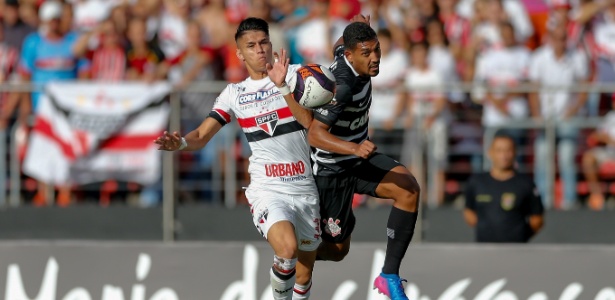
(357, 32)
(251, 24)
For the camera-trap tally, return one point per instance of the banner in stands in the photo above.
(89, 132)
(236, 271)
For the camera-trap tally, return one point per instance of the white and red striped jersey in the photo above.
(280, 160)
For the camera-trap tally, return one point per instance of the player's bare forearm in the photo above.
(470, 217)
(536, 223)
(303, 115)
(195, 139)
(339, 42)
(198, 138)
(320, 137)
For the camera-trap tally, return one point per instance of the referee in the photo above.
(503, 205)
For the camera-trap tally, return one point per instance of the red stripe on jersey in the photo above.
(251, 122)
(224, 115)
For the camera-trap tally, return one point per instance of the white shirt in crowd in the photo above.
(312, 43)
(505, 67)
(515, 10)
(548, 70)
(604, 35)
(384, 94)
(88, 14)
(172, 35)
(441, 60)
(423, 101)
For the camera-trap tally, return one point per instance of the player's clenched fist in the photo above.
(169, 142)
(365, 149)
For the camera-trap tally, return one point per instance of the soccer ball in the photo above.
(314, 86)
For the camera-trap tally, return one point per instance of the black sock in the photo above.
(400, 229)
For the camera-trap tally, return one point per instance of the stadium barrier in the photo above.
(66, 270)
(230, 184)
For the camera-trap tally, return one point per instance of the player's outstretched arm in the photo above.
(194, 140)
(320, 137)
(277, 73)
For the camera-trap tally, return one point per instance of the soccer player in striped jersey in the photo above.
(282, 192)
(346, 161)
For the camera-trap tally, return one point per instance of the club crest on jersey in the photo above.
(268, 122)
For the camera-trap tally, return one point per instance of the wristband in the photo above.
(183, 145)
(284, 89)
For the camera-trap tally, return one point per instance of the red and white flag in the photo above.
(91, 132)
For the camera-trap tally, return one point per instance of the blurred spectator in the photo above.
(215, 24)
(502, 67)
(603, 28)
(261, 9)
(440, 57)
(172, 28)
(8, 66)
(289, 15)
(15, 30)
(47, 56)
(315, 37)
(595, 158)
(456, 28)
(143, 57)
(88, 14)
(394, 63)
(109, 59)
(556, 66)
(426, 118)
(512, 11)
(503, 205)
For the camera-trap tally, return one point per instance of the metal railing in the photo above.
(170, 160)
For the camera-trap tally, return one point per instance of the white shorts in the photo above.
(302, 211)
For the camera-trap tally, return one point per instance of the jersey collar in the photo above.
(351, 68)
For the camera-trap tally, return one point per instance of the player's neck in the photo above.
(502, 174)
(254, 75)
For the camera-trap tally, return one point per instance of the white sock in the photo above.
(302, 292)
(283, 278)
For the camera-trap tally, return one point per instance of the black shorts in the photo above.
(336, 193)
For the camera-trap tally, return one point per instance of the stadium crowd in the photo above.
(425, 43)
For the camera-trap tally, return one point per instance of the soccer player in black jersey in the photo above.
(346, 161)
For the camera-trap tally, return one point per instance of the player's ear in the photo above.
(239, 55)
(348, 55)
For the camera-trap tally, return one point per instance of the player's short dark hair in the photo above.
(358, 32)
(250, 24)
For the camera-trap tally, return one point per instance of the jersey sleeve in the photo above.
(329, 113)
(222, 110)
(470, 194)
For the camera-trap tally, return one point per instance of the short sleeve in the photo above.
(28, 54)
(470, 194)
(222, 109)
(536, 207)
(329, 113)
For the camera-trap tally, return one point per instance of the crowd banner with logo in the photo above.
(240, 271)
(88, 132)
